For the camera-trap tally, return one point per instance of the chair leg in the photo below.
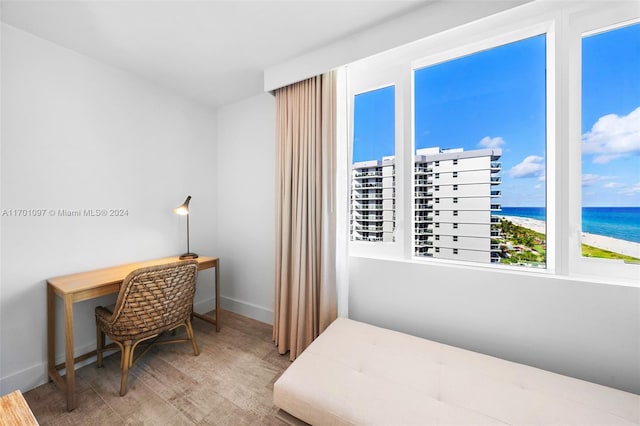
(125, 362)
(100, 345)
(192, 337)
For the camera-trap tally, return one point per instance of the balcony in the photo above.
(377, 173)
(368, 196)
(495, 233)
(424, 206)
(495, 219)
(424, 194)
(496, 207)
(369, 238)
(423, 219)
(423, 182)
(496, 194)
(423, 231)
(496, 180)
(422, 170)
(423, 244)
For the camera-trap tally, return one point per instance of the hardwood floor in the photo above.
(229, 383)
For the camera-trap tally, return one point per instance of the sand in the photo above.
(615, 245)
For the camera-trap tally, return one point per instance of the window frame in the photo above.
(563, 25)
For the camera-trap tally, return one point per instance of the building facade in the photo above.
(455, 194)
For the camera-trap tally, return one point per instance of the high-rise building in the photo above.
(373, 195)
(455, 193)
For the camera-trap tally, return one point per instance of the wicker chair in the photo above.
(152, 300)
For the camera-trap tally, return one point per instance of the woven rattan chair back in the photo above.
(151, 300)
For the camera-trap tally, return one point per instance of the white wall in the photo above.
(77, 134)
(582, 329)
(246, 206)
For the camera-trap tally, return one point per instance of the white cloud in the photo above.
(613, 136)
(612, 185)
(634, 190)
(532, 166)
(591, 179)
(489, 142)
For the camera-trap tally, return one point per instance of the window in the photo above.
(499, 94)
(437, 212)
(455, 251)
(524, 133)
(437, 237)
(611, 144)
(455, 238)
(373, 168)
(437, 249)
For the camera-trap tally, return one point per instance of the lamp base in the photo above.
(188, 256)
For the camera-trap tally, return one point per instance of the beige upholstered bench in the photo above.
(355, 373)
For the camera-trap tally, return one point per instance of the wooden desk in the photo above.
(90, 285)
(14, 410)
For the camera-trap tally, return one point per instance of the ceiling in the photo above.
(212, 51)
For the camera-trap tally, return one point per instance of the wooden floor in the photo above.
(229, 383)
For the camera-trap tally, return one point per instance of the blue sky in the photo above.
(611, 118)
(496, 98)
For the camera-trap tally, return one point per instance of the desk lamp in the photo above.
(183, 210)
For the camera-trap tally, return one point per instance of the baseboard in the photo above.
(37, 375)
(247, 309)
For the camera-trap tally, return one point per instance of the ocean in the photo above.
(617, 222)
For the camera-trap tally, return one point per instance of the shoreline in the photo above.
(628, 248)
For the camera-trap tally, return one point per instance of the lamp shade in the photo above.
(183, 209)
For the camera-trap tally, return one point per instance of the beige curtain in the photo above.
(305, 242)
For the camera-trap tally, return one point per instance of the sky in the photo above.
(496, 99)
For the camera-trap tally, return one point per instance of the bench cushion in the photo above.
(355, 373)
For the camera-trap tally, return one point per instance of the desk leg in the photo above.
(69, 364)
(51, 330)
(218, 295)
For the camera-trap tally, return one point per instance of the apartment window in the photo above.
(455, 251)
(455, 238)
(437, 237)
(610, 151)
(479, 107)
(455, 212)
(437, 249)
(437, 213)
(437, 225)
(373, 166)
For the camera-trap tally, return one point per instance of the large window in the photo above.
(611, 144)
(515, 144)
(480, 128)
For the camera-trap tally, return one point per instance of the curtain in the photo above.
(305, 301)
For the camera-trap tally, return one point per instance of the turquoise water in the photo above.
(616, 222)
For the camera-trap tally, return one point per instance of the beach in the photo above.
(615, 245)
